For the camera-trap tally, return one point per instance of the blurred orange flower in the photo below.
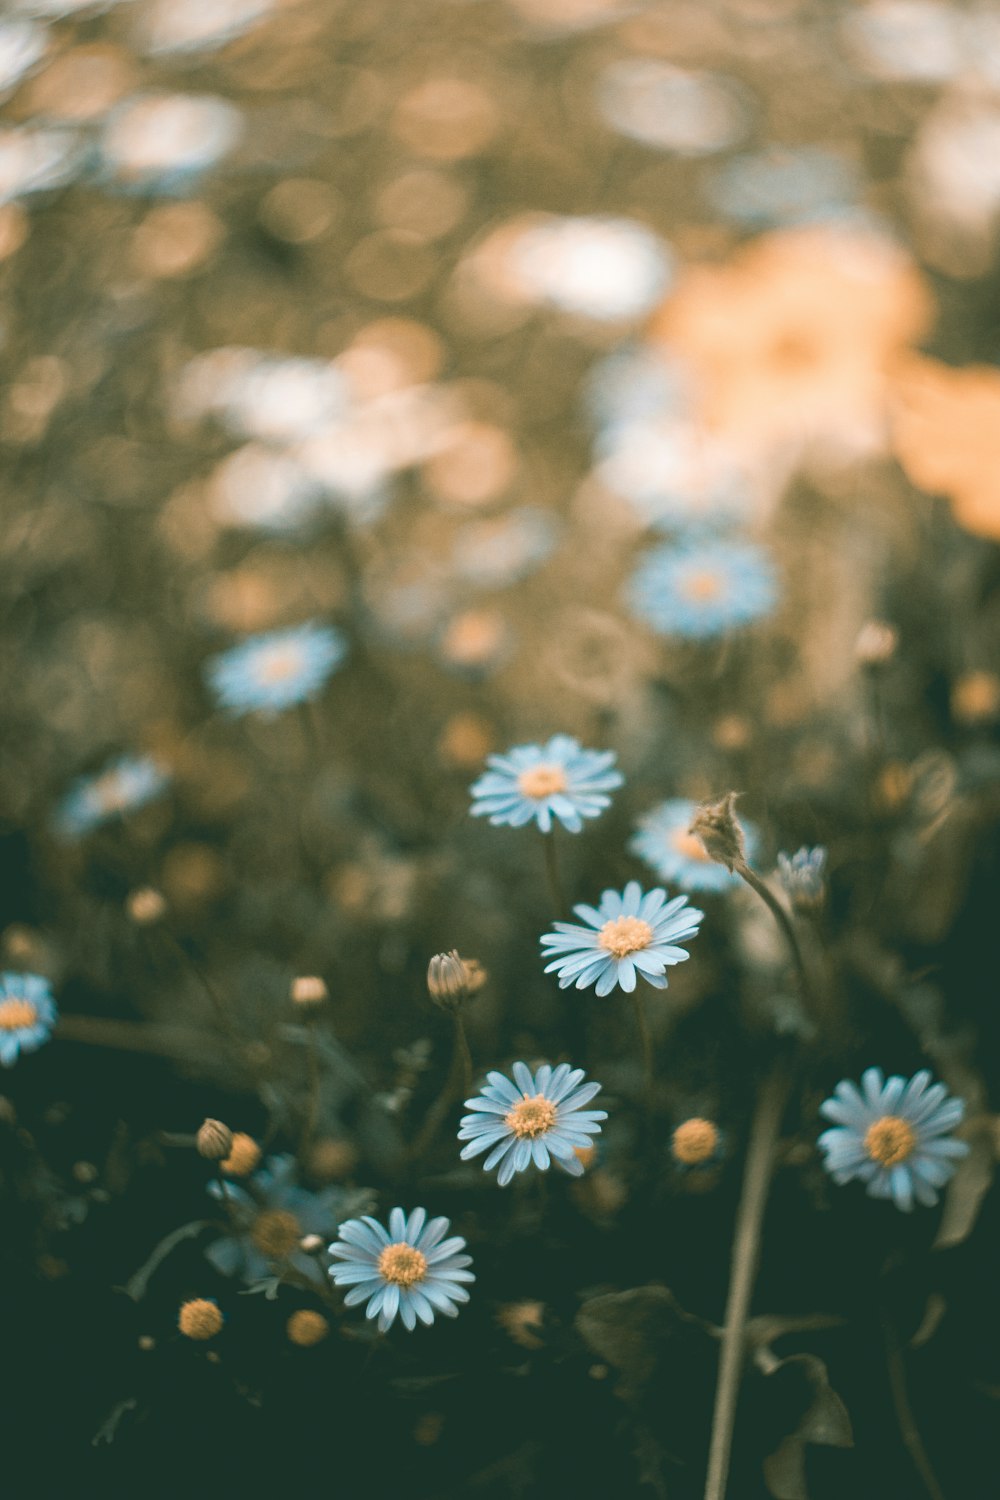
(791, 340)
(946, 434)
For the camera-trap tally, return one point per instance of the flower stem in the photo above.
(552, 874)
(784, 922)
(746, 1253)
(311, 1117)
(458, 1085)
(646, 1045)
(908, 1429)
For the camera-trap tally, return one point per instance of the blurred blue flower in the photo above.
(277, 669)
(27, 1015)
(125, 785)
(536, 1118)
(700, 589)
(412, 1270)
(894, 1136)
(784, 185)
(559, 779)
(270, 1218)
(803, 877)
(628, 933)
(663, 839)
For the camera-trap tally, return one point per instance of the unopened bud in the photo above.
(803, 877)
(200, 1319)
(311, 1244)
(451, 979)
(876, 643)
(309, 989)
(145, 906)
(214, 1140)
(243, 1156)
(718, 827)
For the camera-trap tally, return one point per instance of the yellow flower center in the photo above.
(542, 781)
(702, 585)
(625, 935)
(531, 1117)
(402, 1265)
(278, 665)
(276, 1233)
(16, 1014)
(108, 793)
(890, 1140)
(694, 1142)
(688, 844)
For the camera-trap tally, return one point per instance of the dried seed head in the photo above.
(214, 1140)
(718, 827)
(309, 990)
(199, 1319)
(307, 1328)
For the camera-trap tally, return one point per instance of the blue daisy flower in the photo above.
(803, 877)
(277, 669)
(411, 1270)
(784, 185)
(894, 1136)
(270, 1221)
(628, 933)
(700, 589)
(538, 1118)
(123, 786)
(27, 1015)
(663, 839)
(559, 780)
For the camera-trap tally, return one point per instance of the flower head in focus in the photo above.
(664, 840)
(557, 780)
(701, 589)
(277, 669)
(126, 784)
(894, 1136)
(270, 1222)
(27, 1015)
(628, 934)
(803, 877)
(410, 1270)
(536, 1118)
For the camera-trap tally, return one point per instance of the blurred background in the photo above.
(628, 369)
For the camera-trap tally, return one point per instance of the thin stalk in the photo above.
(552, 873)
(646, 1044)
(784, 922)
(311, 1119)
(908, 1429)
(746, 1253)
(458, 1085)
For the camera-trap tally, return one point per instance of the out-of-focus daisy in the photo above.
(497, 552)
(691, 114)
(894, 1136)
(556, 780)
(803, 877)
(674, 474)
(27, 1015)
(916, 39)
(700, 589)
(784, 185)
(277, 669)
(163, 143)
(126, 784)
(172, 26)
(22, 45)
(664, 840)
(628, 934)
(536, 1118)
(32, 161)
(411, 1270)
(270, 1221)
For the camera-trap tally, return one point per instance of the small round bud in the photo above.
(214, 1140)
(331, 1160)
(876, 643)
(975, 698)
(718, 827)
(695, 1143)
(307, 1328)
(311, 1244)
(243, 1158)
(199, 1319)
(145, 906)
(309, 989)
(451, 979)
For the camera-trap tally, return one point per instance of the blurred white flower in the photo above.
(692, 114)
(603, 268)
(33, 160)
(193, 25)
(160, 142)
(953, 185)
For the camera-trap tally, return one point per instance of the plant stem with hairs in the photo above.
(784, 921)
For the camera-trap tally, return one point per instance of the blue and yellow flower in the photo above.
(269, 1220)
(533, 1119)
(894, 1135)
(541, 782)
(411, 1270)
(664, 840)
(123, 786)
(629, 934)
(27, 1015)
(701, 589)
(803, 877)
(276, 670)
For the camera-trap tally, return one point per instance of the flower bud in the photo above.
(309, 990)
(307, 1327)
(718, 827)
(803, 877)
(200, 1319)
(145, 906)
(876, 643)
(214, 1140)
(451, 979)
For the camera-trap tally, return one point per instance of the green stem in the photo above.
(458, 1085)
(784, 922)
(552, 873)
(646, 1045)
(311, 1119)
(908, 1429)
(746, 1254)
